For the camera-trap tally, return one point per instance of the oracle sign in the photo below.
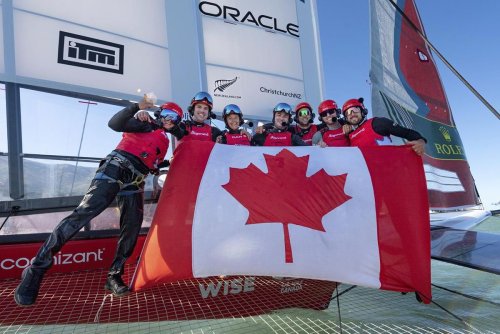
(260, 20)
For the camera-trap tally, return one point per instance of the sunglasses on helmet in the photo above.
(232, 109)
(169, 115)
(303, 112)
(203, 96)
(328, 112)
(283, 107)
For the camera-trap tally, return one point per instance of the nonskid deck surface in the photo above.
(78, 303)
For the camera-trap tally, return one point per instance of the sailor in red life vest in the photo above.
(200, 110)
(120, 175)
(278, 134)
(304, 126)
(233, 118)
(377, 130)
(332, 133)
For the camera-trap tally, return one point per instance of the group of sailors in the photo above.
(144, 145)
(346, 126)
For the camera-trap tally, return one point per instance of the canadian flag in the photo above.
(353, 215)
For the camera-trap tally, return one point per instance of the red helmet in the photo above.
(302, 105)
(354, 103)
(171, 111)
(327, 105)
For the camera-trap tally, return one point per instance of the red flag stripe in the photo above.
(402, 268)
(166, 262)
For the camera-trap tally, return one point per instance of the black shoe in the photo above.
(114, 283)
(27, 290)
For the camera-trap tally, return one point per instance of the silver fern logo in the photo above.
(221, 85)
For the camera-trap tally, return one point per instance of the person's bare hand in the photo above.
(260, 129)
(246, 133)
(418, 146)
(146, 103)
(143, 116)
(346, 129)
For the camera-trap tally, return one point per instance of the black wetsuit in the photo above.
(120, 175)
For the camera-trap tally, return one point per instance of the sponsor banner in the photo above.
(99, 12)
(107, 55)
(278, 16)
(76, 255)
(244, 47)
(232, 293)
(255, 93)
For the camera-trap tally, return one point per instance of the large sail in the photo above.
(406, 87)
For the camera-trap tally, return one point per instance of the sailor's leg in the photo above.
(131, 215)
(99, 196)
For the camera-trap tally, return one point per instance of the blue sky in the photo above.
(466, 33)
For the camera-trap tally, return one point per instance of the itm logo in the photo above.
(89, 52)
(221, 85)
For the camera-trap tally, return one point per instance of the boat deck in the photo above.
(77, 303)
(465, 301)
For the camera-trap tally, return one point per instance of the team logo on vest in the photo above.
(276, 137)
(82, 51)
(201, 134)
(355, 134)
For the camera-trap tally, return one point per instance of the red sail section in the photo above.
(419, 69)
(406, 87)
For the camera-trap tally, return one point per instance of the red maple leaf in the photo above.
(285, 195)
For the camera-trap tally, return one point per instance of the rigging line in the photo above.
(443, 308)
(13, 210)
(443, 59)
(455, 316)
(466, 295)
(338, 307)
(80, 145)
(340, 294)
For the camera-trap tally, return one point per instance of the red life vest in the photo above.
(335, 138)
(278, 139)
(308, 133)
(149, 147)
(364, 135)
(203, 133)
(236, 139)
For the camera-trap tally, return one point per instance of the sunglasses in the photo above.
(303, 112)
(232, 109)
(283, 107)
(352, 111)
(203, 96)
(328, 112)
(169, 115)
